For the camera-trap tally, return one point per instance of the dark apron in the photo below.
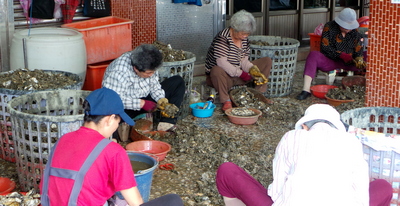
(77, 176)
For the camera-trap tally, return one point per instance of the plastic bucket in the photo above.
(49, 48)
(315, 42)
(144, 177)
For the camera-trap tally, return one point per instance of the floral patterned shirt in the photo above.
(333, 43)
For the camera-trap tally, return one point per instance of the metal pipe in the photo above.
(25, 53)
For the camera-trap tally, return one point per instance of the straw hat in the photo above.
(347, 19)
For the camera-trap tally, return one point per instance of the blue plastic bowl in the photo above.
(197, 112)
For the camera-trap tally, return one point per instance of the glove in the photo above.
(346, 57)
(161, 103)
(169, 110)
(360, 63)
(245, 76)
(258, 77)
(149, 106)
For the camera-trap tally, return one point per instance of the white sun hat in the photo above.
(321, 112)
(347, 19)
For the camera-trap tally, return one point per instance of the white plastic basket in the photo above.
(382, 164)
(283, 52)
(183, 68)
(39, 119)
(6, 95)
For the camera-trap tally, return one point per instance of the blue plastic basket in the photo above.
(197, 112)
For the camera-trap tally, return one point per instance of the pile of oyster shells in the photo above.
(24, 79)
(260, 43)
(244, 97)
(242, 111)
(169, 54)
(18, 199)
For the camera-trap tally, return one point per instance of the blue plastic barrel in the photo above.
(144, 177)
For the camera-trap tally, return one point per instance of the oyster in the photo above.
(170, 110)
(340, 94)
(19, 199)
(260, 43)
(23, 79)
(169, 54)
(242, 111)
(243, 97)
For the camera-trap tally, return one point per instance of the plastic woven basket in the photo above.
(283, 52)
(39, 119)
(382, 164)
(183, 68)
(6, 95)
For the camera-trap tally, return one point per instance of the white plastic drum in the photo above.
(49, 49)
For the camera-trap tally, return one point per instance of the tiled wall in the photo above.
(143, 12)
(193, 32)
(383, 75)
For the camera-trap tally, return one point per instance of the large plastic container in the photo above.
(49, 49)
(106, 38)
(183, 68)
(94, 75)
(6, 95)
(144, 178)
(315, 42)
(283, 52)
(382, 164)
(38, 120)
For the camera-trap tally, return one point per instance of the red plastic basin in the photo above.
(6, 185)
(320, 90)
(155, 147)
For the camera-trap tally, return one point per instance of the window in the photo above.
(248, 5)
(346, 3)
(308, 4)
(282, 5)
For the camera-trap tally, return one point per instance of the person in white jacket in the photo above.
(317, 163)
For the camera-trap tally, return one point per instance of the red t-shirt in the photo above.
(110, 172)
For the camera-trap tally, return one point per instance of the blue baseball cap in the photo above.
(105, 101)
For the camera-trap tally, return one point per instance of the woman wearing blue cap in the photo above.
(86, 168)
(341, 48)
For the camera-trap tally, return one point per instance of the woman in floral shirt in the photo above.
(341, 48)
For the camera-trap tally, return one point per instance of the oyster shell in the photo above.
(245, 98)
(19, 199)
(170, 110)
(242, 111)
(23, 79)
(169, 54)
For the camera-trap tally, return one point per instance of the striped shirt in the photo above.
(121, 78)
(223, 46)
(322, 166)
(333, 43)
